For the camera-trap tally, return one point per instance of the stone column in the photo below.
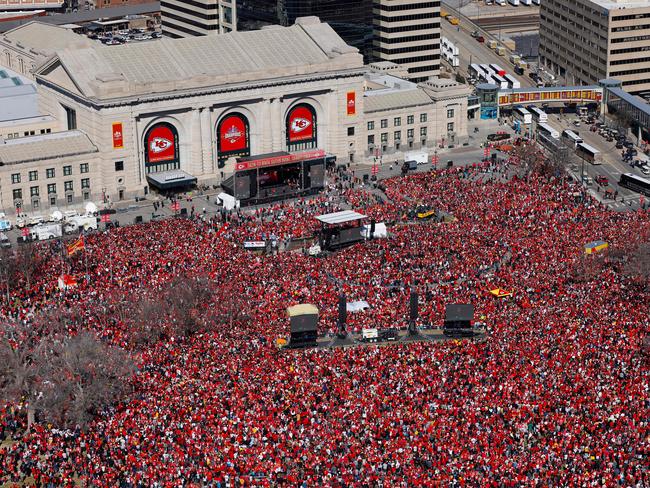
(207, 153)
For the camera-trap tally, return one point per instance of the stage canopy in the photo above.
(340, 217)
(302, 309)
(168, 180)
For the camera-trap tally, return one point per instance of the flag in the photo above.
(106, 218)
(77, 245)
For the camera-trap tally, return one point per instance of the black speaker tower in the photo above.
(343, 316)
(413, 313)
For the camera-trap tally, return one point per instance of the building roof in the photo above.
(46, 146)
(110, 72)
(340, 217)
(90, 15)
(44, 39)
(622, 4)
(395, 100)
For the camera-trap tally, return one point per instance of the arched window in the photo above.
(301, 126)
(233, 137)
(161, 151)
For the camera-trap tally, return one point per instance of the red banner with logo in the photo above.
(233, 135)
(251, 163)
(118, 136)
(352, 103)
(161, 144)
(301, 124)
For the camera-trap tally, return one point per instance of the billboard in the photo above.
(233, 135)
(352, 103)
(301, 124)
(118, 136)
(162, 143)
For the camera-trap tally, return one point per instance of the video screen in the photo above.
(288, 174)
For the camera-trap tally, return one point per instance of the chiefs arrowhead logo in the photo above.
(159, 144)
(299, 124)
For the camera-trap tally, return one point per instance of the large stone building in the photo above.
(181, 18)
(144, 113)
(407, 32)
(588, 40)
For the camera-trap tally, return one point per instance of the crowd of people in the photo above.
(556, 394)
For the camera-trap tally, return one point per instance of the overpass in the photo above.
(539, 95)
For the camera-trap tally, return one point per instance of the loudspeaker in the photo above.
(413, 315)
(138, 219)
(304, 330)
(343, 309)
(184, 212)
(372, 228)
(494, 157)
(458, 318)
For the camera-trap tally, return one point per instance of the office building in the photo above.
(587, 40)
(407, 32)
(198, 18)
(350, 19)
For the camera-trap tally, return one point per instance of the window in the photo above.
(119, 165)
(423, 131)
(67, 170)
(384, 137)
(68, 186)
(83, 168)
(15, 178)
(423, 118)
(69, 198)
(397, 135)
(371, 139)
(450, 113)
(350, 131)
(450, 127)
(397, 121)
(33, 191)
(85, 182)
(371, 125)
(51, 188)
(410, 133)
(384, 123)
(410, 119)
(71, 117)
(52, 201)
(49, 173)
(33, 175)
(18, 194)
(86, 195)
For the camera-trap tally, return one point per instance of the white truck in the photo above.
(420, 157)
(43, 232)
(85, 222)
(5, 224)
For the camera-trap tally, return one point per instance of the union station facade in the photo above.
(182, 110)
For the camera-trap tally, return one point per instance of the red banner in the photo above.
(352, 103)
(161, 144)
(278, 160)
(232, 134)
(301, 124)
(105, 218)
(118, 136)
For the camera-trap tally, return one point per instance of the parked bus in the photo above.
(588, 153)
(514, 3)
(635, 183)
(512, 81)
(500, 81)
(548, 130)
(475, 71)
(539, 115)
(536, 2)
(497, 69)
(522, 115)
(498, 137)
(572, 137)
(526, 2)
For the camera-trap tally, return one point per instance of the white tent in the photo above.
(228, 201)
(358, 306)
(380, 231)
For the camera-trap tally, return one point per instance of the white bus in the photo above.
(526, 2)
(588, 153)
(475, 71)
(635, 183)
(523, 115)
(497, 69)
(514, 2)
(539, 115)
(571, 137)
(536, 2)
(500, 81)
(512, 81)
(548, 130)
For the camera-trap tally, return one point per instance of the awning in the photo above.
(168, 180)
(340, 217)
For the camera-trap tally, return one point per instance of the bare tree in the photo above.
(27, 261)
(187, 300)
(8, 269)
(637, 267)
(148, 322)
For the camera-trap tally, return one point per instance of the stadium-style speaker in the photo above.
(413, 309)
(304, 325)
(343, 309)
(372, 228)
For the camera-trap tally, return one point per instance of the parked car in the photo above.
(619, 145)
(602, 180)
(480, 39)
(475, 34)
